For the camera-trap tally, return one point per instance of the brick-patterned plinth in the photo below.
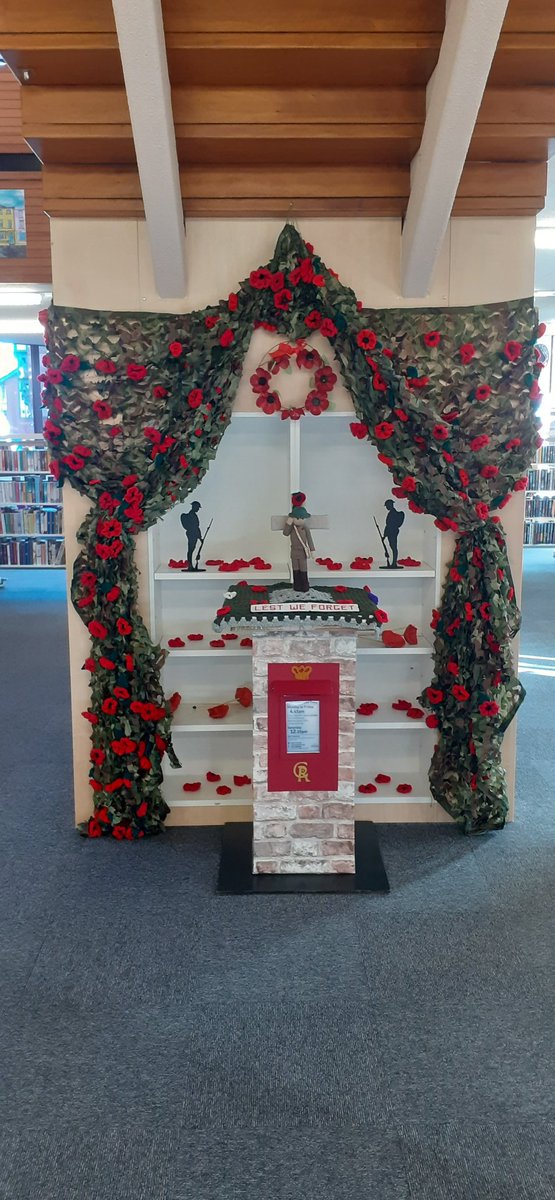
(297, 833)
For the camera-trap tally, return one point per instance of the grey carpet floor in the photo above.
(161, 1043)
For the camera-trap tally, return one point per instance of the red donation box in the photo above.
(303, 727)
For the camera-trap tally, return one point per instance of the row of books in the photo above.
(539, 533)
(541, 479)
(32, 489)
(30, 552)
(540, 506)
(23, 458)
(31, 520)
(546, 453)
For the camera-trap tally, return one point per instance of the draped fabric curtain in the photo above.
(137, 406)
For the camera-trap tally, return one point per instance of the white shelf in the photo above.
(194, 719)
(281, 572)
(233, 649)
(207, 795)
(386, 793)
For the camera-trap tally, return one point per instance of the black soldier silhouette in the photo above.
(191, 525)
(393, 523)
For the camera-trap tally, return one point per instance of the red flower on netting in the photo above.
(408, 484)
(384, 430)
(136, 372)
(210, 322)
(97, 630)
(110, 706)
(452, 667)
(70, 363)
(485, 610)
(107, 663)
(358, 430)
(481, 510)
(432, 339)
(460, 693)
(327, 328)
(314, 319)
(489, 708)
(105, 366)
(176, 349)
(269, 402)
(378, 382)
(227, 337)
(233, 302)
(435, 695)
(260, 380)
(260, 279)
(366, 339)
(282, 299)
(102, 410)
(195, 398)
(482, 392)
(440, 432)
(467, 352)
(316, 402)
(97, 756)
(489, 471)
(123, 627)
(520, 485)
(277, 283)
(479, 442)
(512, 351)
(432, 721)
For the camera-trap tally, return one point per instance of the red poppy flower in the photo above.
(316, 403)
(244, 696)
(366, 339)
(277, 281)
(308, 359)
(110, 706)
(269, 402)
(367, 709)
(97, 756)
(401, 414)
(358, 429)
(246, 642)
(227, 337)
(489, 708)
(435, 695)
(482, 392)
(210, 322)
(453, 667)
(367, 789)
(260, 380)
(195, 637)
(381, 778)
(485, 610)
(512, 351)
(121, 693)
(213, 777)
(55, 470)
(97, 630)
(460, 693)
(378, 382)
(195, 398)
(282, 299)
(489, 471)
(327, 328)
(384, 430)
(325, 379)
(102, 409)
(520, 485)
(479, 442)
(218, 711)
(123, 627)
(314, 319)
(481, 510)
(432, 339)
(105, 366)
(74, 462)
(381, 616)
(54, 376)
(223, 790)
(432, 721)
(260, 279)
(136, 372)
(467, 352)
(440, 432)
(176, 349)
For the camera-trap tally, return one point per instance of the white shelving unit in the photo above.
(249, 481)
(539, 523)
(31, 532)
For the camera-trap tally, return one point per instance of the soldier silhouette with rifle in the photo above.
(393, 523)
(191, 525)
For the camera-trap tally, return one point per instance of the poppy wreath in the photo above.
(283, 358)
(137, 406)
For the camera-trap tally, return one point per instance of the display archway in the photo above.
(138, 404)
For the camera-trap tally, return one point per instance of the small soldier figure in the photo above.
(191, 525)
(301, 545)
(393, 523)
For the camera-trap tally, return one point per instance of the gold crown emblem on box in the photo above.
(301, 670)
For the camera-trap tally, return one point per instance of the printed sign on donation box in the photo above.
(303, 727)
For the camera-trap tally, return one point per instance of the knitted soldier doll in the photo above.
(301, 544)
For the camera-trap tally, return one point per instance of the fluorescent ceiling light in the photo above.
(19, 299)
(538, 295)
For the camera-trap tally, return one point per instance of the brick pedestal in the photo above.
(304, 832)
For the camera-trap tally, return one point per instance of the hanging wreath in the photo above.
(283, 358)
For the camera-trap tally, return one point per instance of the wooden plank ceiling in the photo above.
(300, 106)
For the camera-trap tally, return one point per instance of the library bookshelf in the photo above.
(31, 513)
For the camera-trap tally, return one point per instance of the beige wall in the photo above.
(106, 264)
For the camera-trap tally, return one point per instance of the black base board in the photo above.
(235, 877)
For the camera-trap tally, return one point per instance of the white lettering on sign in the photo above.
(294, 607)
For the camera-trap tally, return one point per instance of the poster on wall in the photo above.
(13, 234)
